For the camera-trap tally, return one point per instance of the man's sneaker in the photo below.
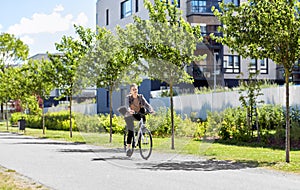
(128, 152)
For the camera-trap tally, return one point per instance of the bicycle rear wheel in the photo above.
(145, 143)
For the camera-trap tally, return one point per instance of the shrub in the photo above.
(186, 127)
(200, 132)
(59, 121)
(88, 123)
(160, 124)
(118, 123)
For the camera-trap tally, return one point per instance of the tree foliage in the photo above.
(39, 83)
(166, 42)
(12, 52)
(66, 63)
(109, 64)
(264, 29)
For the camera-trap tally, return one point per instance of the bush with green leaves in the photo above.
(16, 116)
(231, 124)
(271, 117)
(88, 123)
(59, 121)
(160, 124)
(118, 123)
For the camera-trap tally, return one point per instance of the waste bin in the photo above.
(21, 124)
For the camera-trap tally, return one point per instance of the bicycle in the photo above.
(142, 139)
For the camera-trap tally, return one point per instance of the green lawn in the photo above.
(261, 157)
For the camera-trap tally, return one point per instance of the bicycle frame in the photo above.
(139, 133)
(141, 139)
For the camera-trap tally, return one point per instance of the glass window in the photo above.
(263, 66)
(253, 66)
(107, 99)
(126, 9)
(235, 2)
(178, 2)
(231, 63)
(259, 64)
(198, 6)
(107, 17)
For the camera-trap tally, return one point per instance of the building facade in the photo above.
(221, 66)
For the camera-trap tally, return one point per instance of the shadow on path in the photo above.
(112, 158)
(53, 143)
(201, 165)
(104, 150)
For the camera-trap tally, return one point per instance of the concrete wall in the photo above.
(201, 104)
(88, 109)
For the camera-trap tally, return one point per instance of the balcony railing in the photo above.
(201, 7)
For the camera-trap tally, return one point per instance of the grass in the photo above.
(262, 157)
(10, 180)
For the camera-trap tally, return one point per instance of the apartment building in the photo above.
(221, 67)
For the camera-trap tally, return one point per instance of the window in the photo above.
(262, 63)
(231, 64)
(107, 99)
(107, 17)
(203, 29)
(235, 2)
(126, 9)
(178, 2)
(198, 6)
(136, 5)
(202, 6)
(263, 66)
(253, 66)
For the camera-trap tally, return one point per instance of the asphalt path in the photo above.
(71, 166)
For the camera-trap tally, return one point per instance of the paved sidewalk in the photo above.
(65, 166)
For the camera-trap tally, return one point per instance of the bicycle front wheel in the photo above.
(145, 143)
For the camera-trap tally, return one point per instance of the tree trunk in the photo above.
(43, 118)
(257, 125)
(6, 116)
(172, 117)
(2, 111)
(287, 121)
(70, 108)
(110, 114)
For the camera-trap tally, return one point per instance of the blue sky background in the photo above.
(41, 23)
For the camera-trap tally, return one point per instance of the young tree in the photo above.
(8, 87)
(66, 63)
(39, 83)
(167, 42)
(249, 92)
(12, 52)
(108, 65)
(264, 29)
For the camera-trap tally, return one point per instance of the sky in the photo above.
(42, 23)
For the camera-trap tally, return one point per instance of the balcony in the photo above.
(197, 7)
